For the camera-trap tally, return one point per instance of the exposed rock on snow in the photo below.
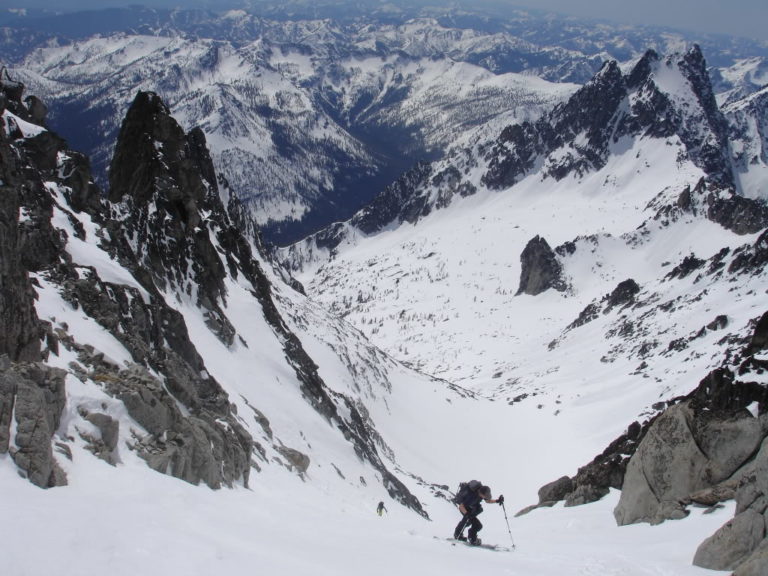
(32, 398)
(705, 448)
(708, 449)
(576, 137)
(540, 269)
(684, 451)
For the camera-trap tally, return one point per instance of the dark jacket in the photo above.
(471, 501)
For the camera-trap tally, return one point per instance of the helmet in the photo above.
(485, 492)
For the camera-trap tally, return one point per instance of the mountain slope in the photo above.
(165, 338)
(650, 300)
(432, 270)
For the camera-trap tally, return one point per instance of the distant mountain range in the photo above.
(310, 114)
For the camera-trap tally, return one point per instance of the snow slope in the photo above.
(432, 434)
(113, 521)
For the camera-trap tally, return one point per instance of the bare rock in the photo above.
(541, 269)
(35, 397)
(733, 543)
(756, 564)
(585, 494)
(557, 490)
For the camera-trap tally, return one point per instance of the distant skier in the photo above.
(380, 509)
(468, 499)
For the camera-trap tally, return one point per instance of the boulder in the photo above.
(557, 490)
(585, 494)
(541, 269)
(684, 452)
(733, 543)
(756, 564)
(624, 294)
(33, 397)
(667, 466)
(105, 447)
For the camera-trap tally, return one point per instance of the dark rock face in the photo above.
(399, 202)
(541, 269)
(207, 445)
(160, 173)
(19, 326)
(402, 201)
(588, 112)
(737, 214)
(624, 294)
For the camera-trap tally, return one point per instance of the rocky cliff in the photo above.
(159, 252)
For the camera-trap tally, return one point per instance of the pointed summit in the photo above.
(164, 178)
(642, 69)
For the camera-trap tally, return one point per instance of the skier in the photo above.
(469, 499)
(380, 509)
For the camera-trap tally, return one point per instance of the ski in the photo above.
(494, 547)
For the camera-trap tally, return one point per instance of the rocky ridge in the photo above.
(166, 226)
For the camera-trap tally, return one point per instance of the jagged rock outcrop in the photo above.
(749, 138)
(32, 399)
(165, 180)
(152, 332)
(575, 138)
(19, 326)
(685, 451)
(167, 228)
(723, 205)
(163, 197)
(701, 445)
(541, 269)
(708, 447)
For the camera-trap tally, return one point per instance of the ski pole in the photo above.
(508, 528)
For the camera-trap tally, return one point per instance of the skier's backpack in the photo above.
(464, 489)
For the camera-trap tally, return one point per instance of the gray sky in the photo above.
(737, 17)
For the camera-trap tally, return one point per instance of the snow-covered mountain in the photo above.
(166, 335)
(149, 338)
(578, 295)
(146, 337)
(307, 121)
(311, 110)
(613, 248)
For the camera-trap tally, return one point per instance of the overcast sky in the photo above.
(737, 17)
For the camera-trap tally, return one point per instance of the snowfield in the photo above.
(132, 521)
(128, 519)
